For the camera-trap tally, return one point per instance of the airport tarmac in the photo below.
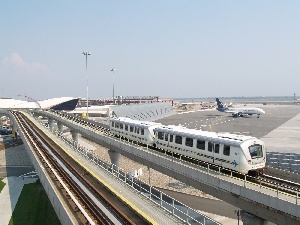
(271, 122)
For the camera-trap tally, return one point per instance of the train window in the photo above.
(142, 131)
(126, 127)
(255, 151)
(112, 124)
(131, 129)
(117, 125)
(121, 126)
(189, 142)
(160, 135)
(171, 137)
(201, 144)
(178, 139)
(226, 150)
(137, 130)
(210, 146)
(217, 148)
(166, 137)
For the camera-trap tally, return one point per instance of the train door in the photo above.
(170, 140)
(167, 139)
(216, 151)
(210, 149)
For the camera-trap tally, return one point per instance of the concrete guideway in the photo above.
(131, 197)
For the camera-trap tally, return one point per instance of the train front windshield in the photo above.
(256, 151)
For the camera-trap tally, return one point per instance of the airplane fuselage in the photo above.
(237, 112)
(243, 111)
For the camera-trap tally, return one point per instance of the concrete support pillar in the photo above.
(249, 219)
(74, 137)
(114, 158)
(51, 123)
(14, 127)
(14, 131)
(60, 127)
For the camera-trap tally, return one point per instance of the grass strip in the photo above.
(2, 184)
(34, 207)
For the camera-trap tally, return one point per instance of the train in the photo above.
(244, 154)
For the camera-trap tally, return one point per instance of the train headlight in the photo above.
(249, 161)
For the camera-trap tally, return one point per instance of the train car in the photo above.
(244, 154)
(135, 130)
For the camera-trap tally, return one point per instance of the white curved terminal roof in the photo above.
(8, 103)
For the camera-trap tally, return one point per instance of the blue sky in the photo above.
(165, 48)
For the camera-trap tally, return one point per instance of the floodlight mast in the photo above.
(86, 53)
(113, 70)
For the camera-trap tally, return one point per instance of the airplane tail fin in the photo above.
(220, 104)
(221, 107)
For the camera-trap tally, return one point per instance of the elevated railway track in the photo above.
(286, 201)
(89, 200)
(276, 183)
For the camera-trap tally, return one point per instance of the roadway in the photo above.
(7, 142)
(14, 171)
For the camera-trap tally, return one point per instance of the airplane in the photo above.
(239, 112)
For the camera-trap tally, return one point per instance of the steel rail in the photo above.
(94, 210)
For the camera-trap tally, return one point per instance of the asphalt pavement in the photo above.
(15, 171)
(213, 120)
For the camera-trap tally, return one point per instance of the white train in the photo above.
(237, 152)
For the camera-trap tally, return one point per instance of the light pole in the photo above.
(113, 70)
(238, 215)
(86, 53)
